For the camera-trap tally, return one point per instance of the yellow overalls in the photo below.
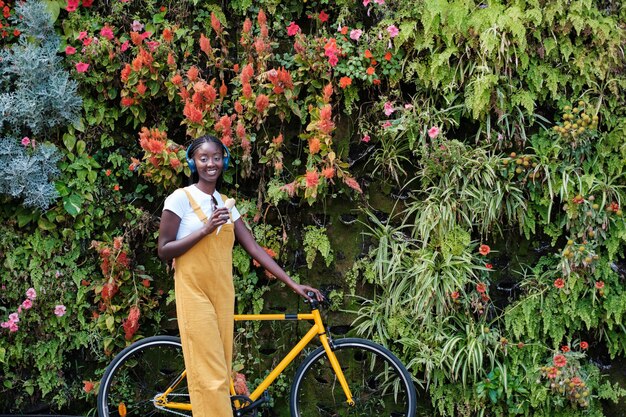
(205, 304)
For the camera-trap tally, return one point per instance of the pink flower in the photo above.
(27, 304)
(393, 31)
(25, 141)
(72, 5)
(386, 124)
(333, 60)
(59, 310)
(81, 67)
(293, 29)
(70, 50)
(379, 1)
(433, 132)
(137, 26)
(408, 106)
(31, 293)
(14, 318)
(366, 2)
(106, 32)
(125, 46)
(152, 45)
(389, 108)
(355, 34)
(82, 35)
(13, 327)
(365, 138)
(145, 35)
(5, 324)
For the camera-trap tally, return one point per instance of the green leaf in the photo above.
(80, 147)
(45, 224)
(69, 141)
(3, 352)
(72, 204)
(110, 323)
(53, 8)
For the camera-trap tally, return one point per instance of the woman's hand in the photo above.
(219, 217)
(302, 291)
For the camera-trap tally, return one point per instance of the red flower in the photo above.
(87, 3)
(552, 373)
(599, 285)
(131, 324)
(484, 250)
(141, 88)
(368, 54)
(116, 187)
(72, 5)
(168, 36)
(564, 348)
(146, 283)
(177, 79)
(559, 283)
(82, 67)
(584, 345)
(454, 295)
(70, 50)
(481, 287)
(88, 386)
(559, 361)
(293, 29)
(345, 81)
(488, 266)
(388, 56)
(323, 16)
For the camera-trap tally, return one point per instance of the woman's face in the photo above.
(209, 159)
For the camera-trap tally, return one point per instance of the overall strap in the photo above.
(196, 208)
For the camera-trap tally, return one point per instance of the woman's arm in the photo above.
(247, 241)
(170, 248)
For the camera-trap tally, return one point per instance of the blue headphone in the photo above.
(192, 163)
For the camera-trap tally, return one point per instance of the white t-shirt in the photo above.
(179, 204)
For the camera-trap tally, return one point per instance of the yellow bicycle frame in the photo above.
(316, 330)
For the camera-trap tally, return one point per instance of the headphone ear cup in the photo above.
(190, 162)
(226, 158)
(192, 165)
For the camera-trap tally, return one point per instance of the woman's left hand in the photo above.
(302, 291)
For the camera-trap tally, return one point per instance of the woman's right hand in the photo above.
(219, 217)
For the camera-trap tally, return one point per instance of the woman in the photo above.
(198, 232)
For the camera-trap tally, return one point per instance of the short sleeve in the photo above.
(177, 203)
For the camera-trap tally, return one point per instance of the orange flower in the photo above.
(205, 45)
(559, 283)
(388, 56)
(584, 345)
(599, 284)
(312, 179)
(278, 139)
(126, 72)
(352, 183)
(175, 163)
(262, 101)
(215, 24)
(328, 172)
(345, 81)
(314, 146)
(223, 90)
(136, 38)
(168, 36)
(141, 88)
(192, 113)
(247, 90)
(238, 107)
(177, 79)
(370, 71)
(481, 288)
(116, 187)
(327, 92)
(344, 30)
(484, 250)
(261, 18)
(240, 131)
(127, 101)
(170, 60)
(193, 73)
(368, 54)
(146, 283)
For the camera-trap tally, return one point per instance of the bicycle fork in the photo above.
(329, 348)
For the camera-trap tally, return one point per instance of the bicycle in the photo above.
(345, 377)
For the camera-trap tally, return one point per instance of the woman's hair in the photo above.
(192, 149)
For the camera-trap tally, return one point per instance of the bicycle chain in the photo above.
(170, 410)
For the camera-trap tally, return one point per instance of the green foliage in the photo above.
(316, 241)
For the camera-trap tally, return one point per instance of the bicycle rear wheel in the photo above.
(140, 372)
(380, 384)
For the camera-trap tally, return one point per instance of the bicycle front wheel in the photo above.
(380, 384)
(140, 372)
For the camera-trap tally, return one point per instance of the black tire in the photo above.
(138, 373)
(380, 384)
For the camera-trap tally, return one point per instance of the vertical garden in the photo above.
(451, 172)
